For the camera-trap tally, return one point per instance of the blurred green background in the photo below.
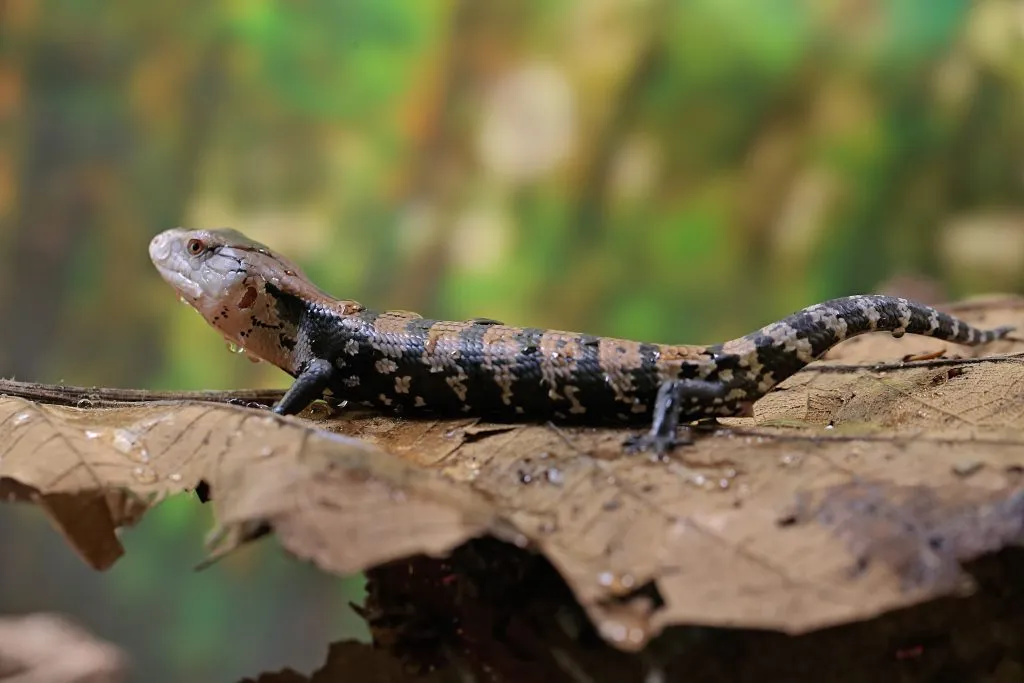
(668, 170)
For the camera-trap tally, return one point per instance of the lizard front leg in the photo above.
(307, 387)
(675, 397)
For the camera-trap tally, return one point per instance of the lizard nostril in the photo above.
(159, 247)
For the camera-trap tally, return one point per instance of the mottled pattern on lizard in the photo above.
(400, 361)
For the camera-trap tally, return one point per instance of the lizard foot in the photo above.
(656, 444)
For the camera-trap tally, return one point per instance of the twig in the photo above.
(97, 397)
(913, 365)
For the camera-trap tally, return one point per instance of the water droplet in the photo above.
(320, 409)
(144, 475)
(144, 455)
(266, 452)
(183, 300)
(174, 477)
(90, 434)
(21, 418)
(124, 441)
(84, 403)
(830, 426)
(967, 468)
(606, 578)
(451, 433)
(659, 457)
(235, 348)
(555, 476)
(613, 630)
(525, 477)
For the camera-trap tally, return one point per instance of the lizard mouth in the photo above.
(185, 287)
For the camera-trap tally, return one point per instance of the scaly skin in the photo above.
(396, 360)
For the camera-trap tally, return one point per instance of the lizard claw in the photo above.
(656, 444)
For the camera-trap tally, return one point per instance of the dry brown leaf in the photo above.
(46, 648)
(338, 501)
(856, 488)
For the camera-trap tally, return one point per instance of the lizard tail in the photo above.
(826, 324)
(778, 350)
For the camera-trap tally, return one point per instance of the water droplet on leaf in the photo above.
(144, 475)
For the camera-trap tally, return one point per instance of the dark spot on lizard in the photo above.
(248, 299)
(286, 341)
(645, 378)
(256, 322)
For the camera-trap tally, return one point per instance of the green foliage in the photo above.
(339, 60)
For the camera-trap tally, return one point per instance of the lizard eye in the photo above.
(195, 247)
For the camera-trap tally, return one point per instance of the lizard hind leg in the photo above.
(676, 398)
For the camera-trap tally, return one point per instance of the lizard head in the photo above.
(211, 269)
(237, 285)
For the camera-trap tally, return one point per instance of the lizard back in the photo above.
(400, 360)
